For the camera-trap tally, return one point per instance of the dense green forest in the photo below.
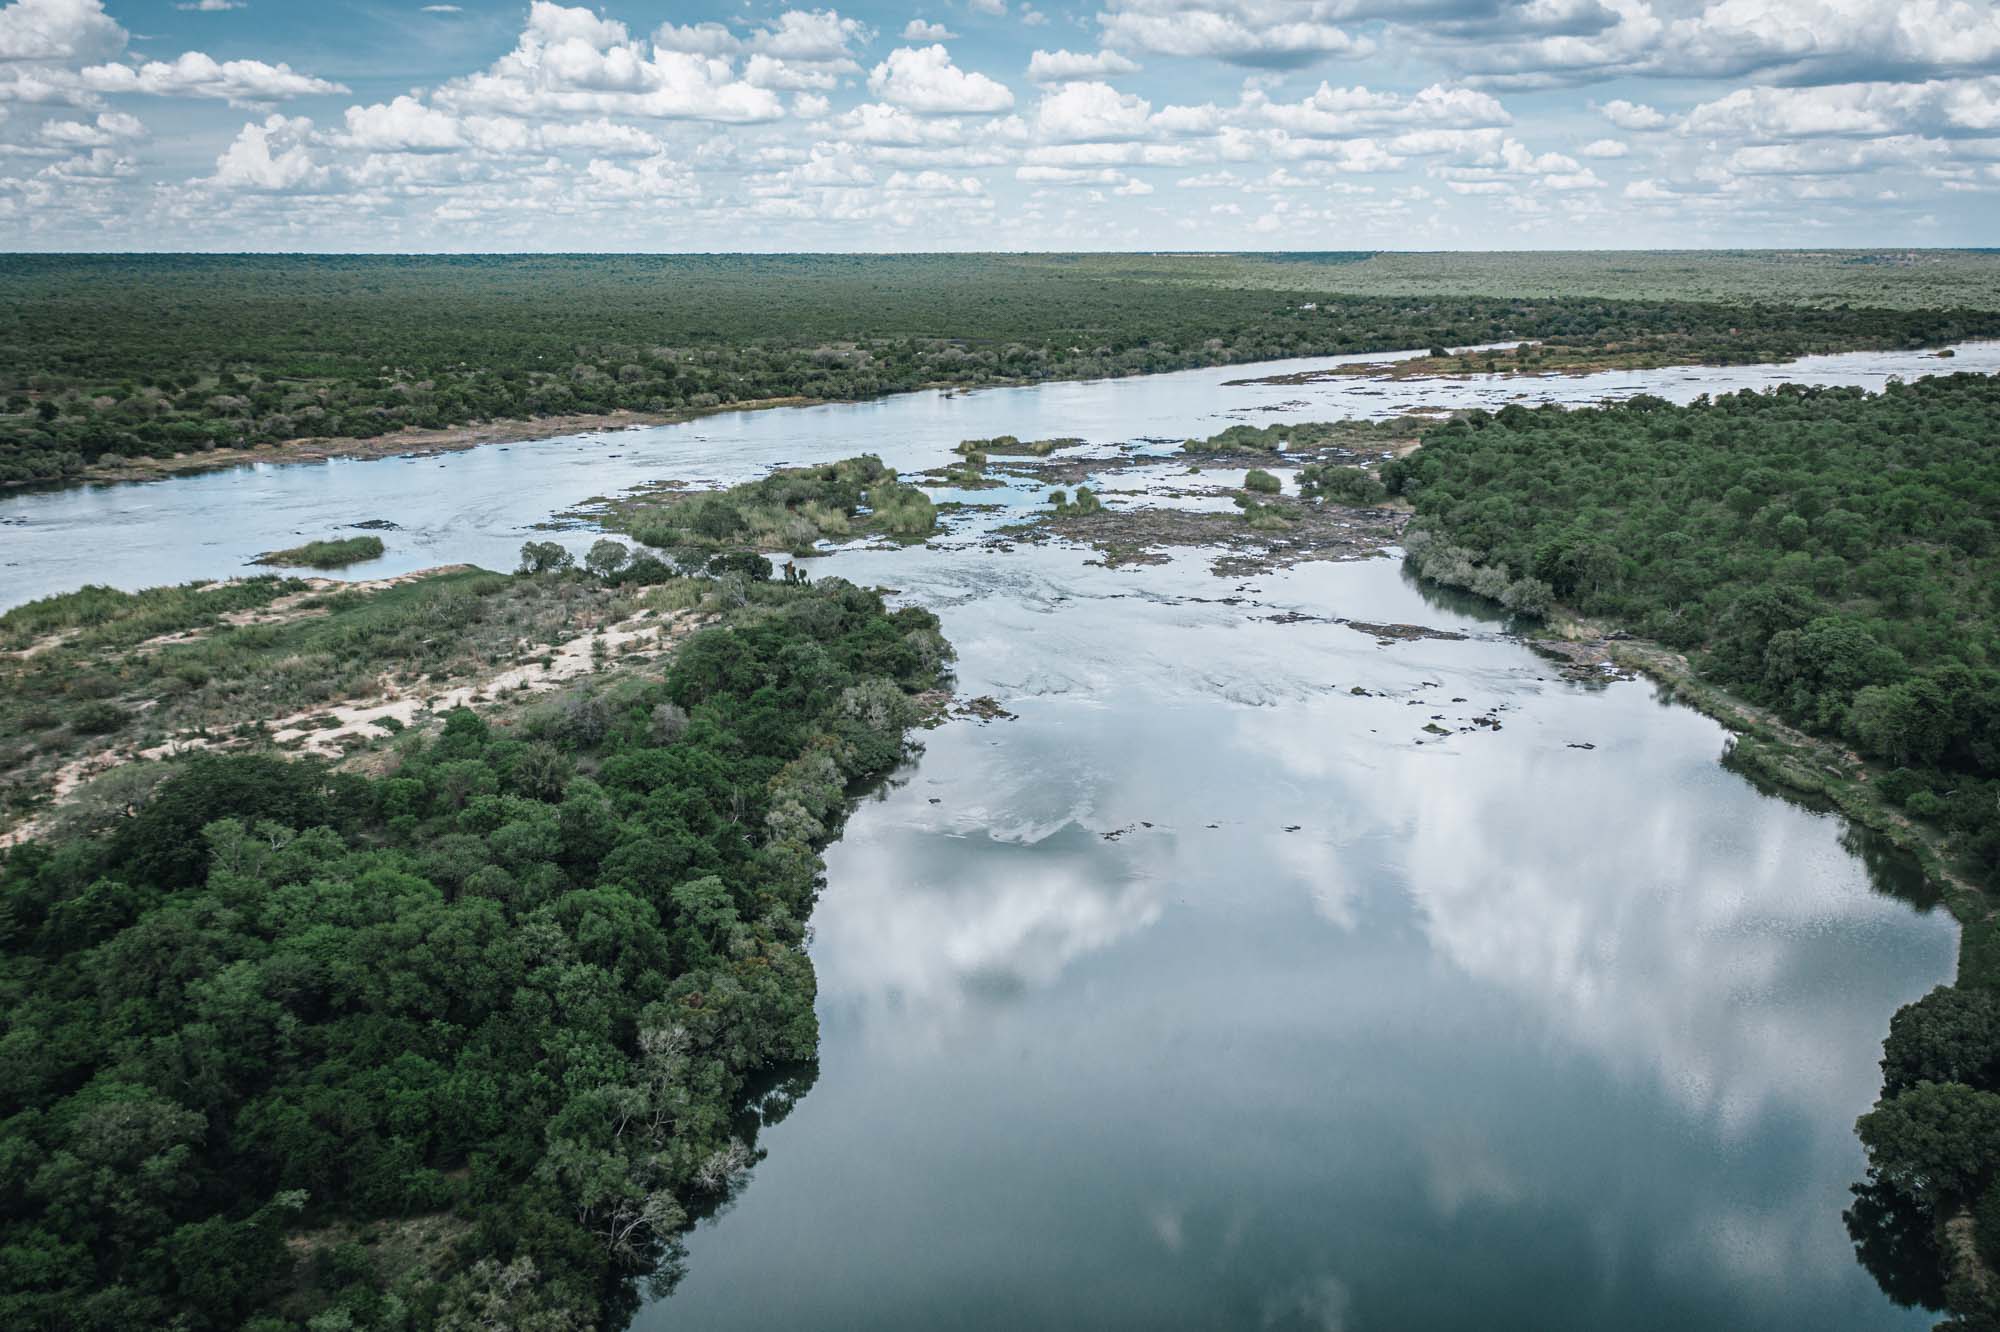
(1926, 1221)
(1832, 555)
(462, 1044)
(1829, 553)
(1902, 278)
(109, 356)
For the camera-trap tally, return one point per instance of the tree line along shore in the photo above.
(112, 366)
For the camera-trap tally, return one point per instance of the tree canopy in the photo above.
(291, 1044)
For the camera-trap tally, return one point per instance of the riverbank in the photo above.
(1525, 360)
(404, 443)
(467, 829)
(1768, 748)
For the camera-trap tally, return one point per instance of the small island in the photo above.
(324, 554)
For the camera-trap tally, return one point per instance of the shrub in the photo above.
(97, 718)
(1349, 485)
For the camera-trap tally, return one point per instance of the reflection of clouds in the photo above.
(1681, 976)
(1665, 934)
(1648, 910)
(1663, 944)
(1461, 1167)
(1317, 1304)
(922, 927)
(1324, 866)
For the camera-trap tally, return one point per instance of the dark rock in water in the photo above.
(377, 525)
(983, 709)
(1403, 633)
(1435, 729)
(1585, 745)
(1293, 827)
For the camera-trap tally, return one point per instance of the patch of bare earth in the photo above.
(330, 732)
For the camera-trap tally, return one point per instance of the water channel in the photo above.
(1209, 991)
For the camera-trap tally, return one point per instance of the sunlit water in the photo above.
(1209, 992)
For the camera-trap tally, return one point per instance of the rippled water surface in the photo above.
(1209, 991)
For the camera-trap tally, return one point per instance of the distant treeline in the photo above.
(156, 355)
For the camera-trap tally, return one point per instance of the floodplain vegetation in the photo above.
(789, 511)
(1832, 557)
(336, 554)
(270, 349)
(459, 1033)
(1306, 439)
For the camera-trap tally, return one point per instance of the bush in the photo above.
(1349, 485)
(1084, 504)
(748, 564)
(97, 718)
(538, 557)
(1262, 482)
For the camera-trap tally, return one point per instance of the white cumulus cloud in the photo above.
(1062, 66)
(271, 157)
(59, 30)
(924, 79)
(194, 74)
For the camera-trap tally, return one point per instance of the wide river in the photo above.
(1209, 992)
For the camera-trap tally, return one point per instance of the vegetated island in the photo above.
(790, 510)
(1820, 569)
(324, 554)
(315, 356)
(1334, 510)
(460, 1024)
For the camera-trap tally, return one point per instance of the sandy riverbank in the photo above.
(418, 442)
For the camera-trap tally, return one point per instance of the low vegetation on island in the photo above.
(324, 554)
(1295, 438)
(468, 1034)
(788, 511)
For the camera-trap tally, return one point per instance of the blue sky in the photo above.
(997, 124)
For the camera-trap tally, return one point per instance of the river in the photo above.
(1208, 991)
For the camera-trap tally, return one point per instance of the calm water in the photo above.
(1505, 1034)
(1209, 993)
